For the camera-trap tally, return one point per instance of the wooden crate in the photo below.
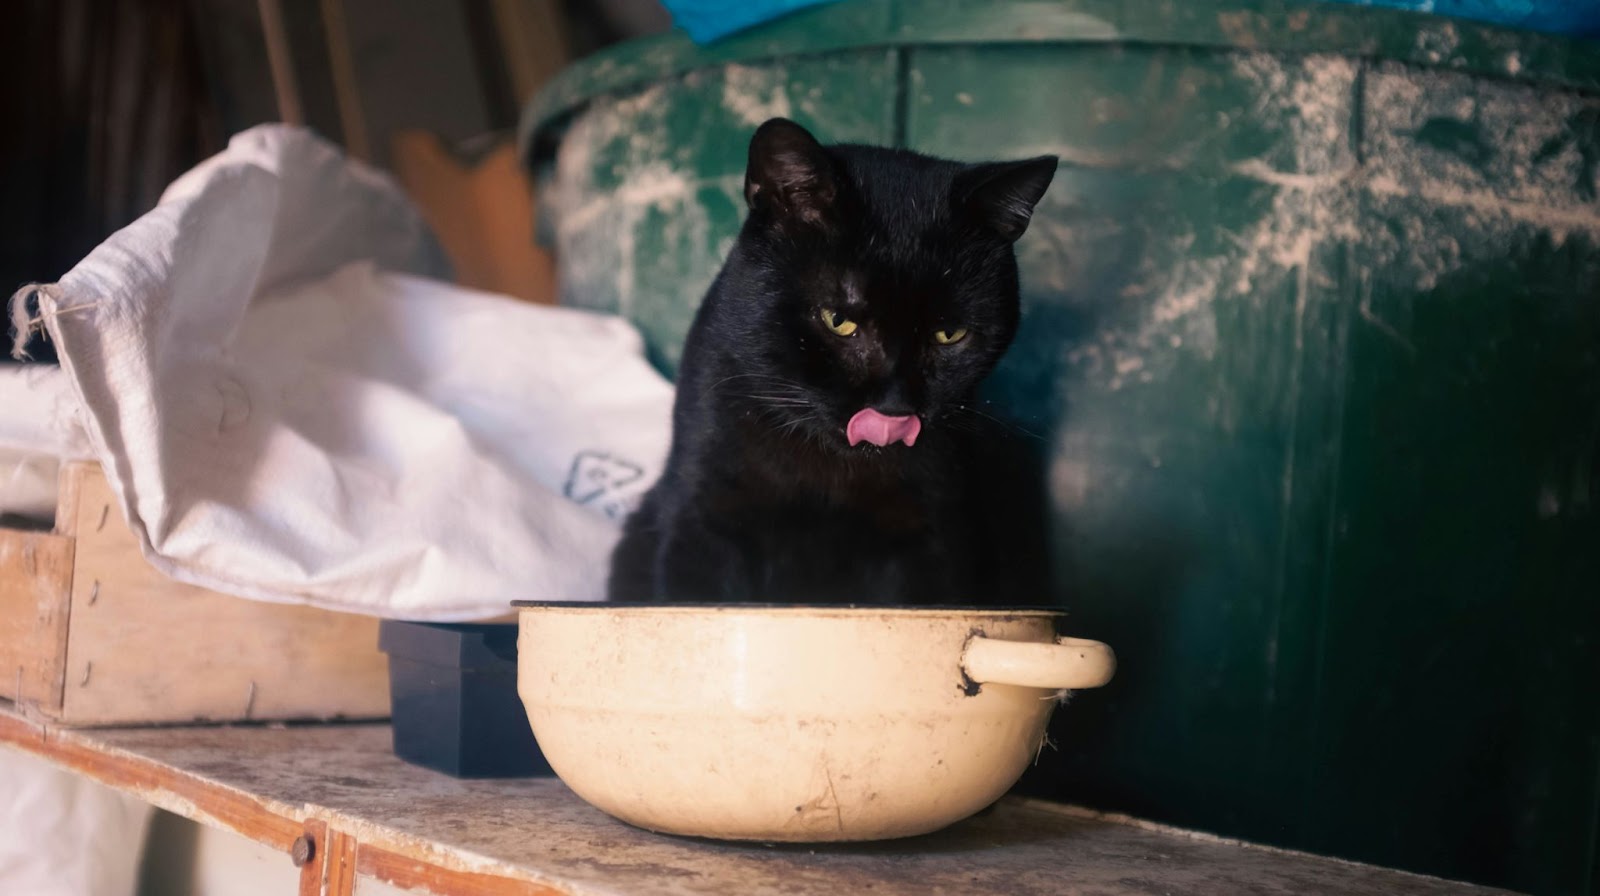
(91, 634)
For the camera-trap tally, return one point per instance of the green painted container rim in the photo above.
(1288, 26)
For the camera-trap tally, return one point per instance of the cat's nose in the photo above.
(895, 401)
(894, 408)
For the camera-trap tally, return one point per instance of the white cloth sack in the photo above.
(289, 410)
(41, 424)
(66, 835)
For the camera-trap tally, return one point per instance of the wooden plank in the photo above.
(161, 785)
(143, 648)
(281, 60)
(414, 62)
(414, 876)
(535, 42)
(482, 211)
(71, 475)
(35, 582)
(342, 74)
(337, 862)
(540, 832)
(537, 831)
(233, 52)
(341, 868)
(314, 871)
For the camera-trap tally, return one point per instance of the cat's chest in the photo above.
(825, 515)
(794, 496)
(804, 552)
(812, 529)
(899, 488)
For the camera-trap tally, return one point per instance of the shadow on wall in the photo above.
(171, 851)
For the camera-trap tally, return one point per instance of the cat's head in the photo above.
(872, 290)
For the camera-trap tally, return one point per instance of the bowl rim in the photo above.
(798, 608)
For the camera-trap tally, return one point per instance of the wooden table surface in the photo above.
(371, 815)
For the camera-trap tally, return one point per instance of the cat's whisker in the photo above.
(778, 400)
(771, 378)
(790, 396)
(1005, 423)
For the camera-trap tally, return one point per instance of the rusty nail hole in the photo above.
(302, 850)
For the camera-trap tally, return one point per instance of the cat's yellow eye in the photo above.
(950, 337)
(841, 325)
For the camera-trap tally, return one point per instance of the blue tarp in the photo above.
(708, 20)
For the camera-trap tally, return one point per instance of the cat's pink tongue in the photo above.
(880, 429)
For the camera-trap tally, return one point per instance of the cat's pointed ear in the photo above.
(1001, 195)
(790, 173)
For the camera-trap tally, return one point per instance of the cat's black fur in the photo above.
(763, 499)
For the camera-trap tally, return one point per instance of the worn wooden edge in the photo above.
(314, 871)
(347, 847)
(410, 874)
(69, 485)
(412, 862)
(266, 822)
(51, 669)
(344, 846)
(339, 871)
(36, 571)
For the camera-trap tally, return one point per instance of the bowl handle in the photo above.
(1070, 663)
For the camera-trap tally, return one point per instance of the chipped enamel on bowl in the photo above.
(802, 724)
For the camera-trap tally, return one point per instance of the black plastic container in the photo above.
(453, 695)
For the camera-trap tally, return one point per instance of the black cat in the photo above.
(826, 447)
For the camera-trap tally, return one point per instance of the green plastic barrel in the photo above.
(1311, 340)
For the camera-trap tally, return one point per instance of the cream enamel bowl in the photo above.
(780, 723)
